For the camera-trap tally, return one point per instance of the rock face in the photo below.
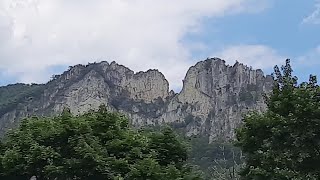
(213, 98)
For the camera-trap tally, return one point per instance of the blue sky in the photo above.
(44, 38)
(280, 27)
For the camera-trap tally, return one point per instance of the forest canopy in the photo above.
(96, 145)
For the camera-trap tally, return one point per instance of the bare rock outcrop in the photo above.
(212, 101)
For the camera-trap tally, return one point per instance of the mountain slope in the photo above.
(212, 100)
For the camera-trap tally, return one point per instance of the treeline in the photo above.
(12, 95)
(96, 145)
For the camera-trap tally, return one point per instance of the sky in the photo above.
(39, 38)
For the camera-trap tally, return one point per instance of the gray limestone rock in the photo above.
(212, 101)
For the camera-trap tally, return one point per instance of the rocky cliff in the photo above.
(212, 101)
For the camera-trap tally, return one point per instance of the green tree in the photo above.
(284, 142)
(96, 145)
(218, 160)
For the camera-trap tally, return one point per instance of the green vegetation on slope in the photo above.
(12, 95)
(218, 160)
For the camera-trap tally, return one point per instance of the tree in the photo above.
(284, 141)
(218, 160)
(96, 145)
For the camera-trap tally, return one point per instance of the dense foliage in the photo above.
(12, 95)
(284, 142)
(218, 160)
(96, 145)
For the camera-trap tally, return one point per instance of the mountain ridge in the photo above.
(211, 102)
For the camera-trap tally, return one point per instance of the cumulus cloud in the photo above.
(36, 35)
(257, 56)
(314, 17)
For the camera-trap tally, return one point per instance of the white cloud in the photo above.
(141, 34)
(314, 17)
(257, 56)
(265, 58)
